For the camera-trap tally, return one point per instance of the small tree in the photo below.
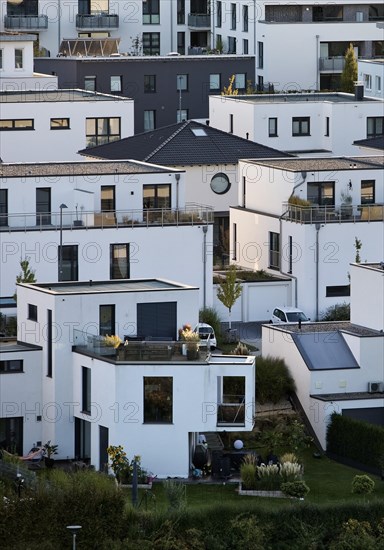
(358, 247)
(229, 290)
(26, 275)
(349, 74)
(230, 90)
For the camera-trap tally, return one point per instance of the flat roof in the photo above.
(347, 396)
(108, 287)
(8, 345)
(60, 95)
(327, 327)
(314, 97)
(90, 167)
(317, 164)
(379, 266)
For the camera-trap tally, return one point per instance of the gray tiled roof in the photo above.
(177, 145)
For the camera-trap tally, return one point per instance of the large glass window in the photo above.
(157, 196)
(151, 43)
(149, 83)
(43, 205)
(182, 82)
(321, 193)
(245, 18)
(149, 120)
(367, 192)
(1, 59)
(274, 250)
(375, 126)
(240, 81)
(18, 58)
(107, 198)
(231, 44)
(11, 435)
(181, 43)
(102, 130)
(119, 261)
(69, 263)
(151, 12)
(376, 12)
(329, 12)
(17, 124)
(158, 399)
(233, 17)
(107, 319)
(90, 83)
(32, 312)
(219, 14)
(86, 390)
(116, 84)
(214, 81)
(3, 207)
(182, 114)
(93, 7)
(180, 12)
(260, 54)
(301, 126)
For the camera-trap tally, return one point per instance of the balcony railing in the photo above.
(97, 21)
(333, 214)
(331, 63)
(199, 20)
(26, 22)
(192, 214)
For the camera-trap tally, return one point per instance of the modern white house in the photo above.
(302, 217)
(146, 396)
(371, 73)
(303, 123)
(338, 367)
(101, 219)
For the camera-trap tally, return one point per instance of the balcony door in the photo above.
(43, 206)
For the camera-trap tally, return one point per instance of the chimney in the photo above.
(359, 90)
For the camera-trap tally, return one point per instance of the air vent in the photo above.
(375, 387)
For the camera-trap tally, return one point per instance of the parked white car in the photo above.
(207, 335)
(288, 315)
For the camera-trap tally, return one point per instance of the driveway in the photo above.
(249, 333)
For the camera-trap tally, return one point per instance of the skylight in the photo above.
(199, 132)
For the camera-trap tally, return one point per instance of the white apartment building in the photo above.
(313, 242)
(371, 73)
(301, 123)
(338, 367)
(110, 220)
(145, 396)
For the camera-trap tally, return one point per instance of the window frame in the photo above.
(111, 329)
(151, 12)
(114, 261)
(179, 115)
(90, 83)
(32, 314)
(233, 16)
(301, 121)
(321, 198)
(149, 83)
(272, 132)
(3, 207)
(367, 184)
(245, 18)
(155, 199)
(64, 126)
(219, 14)
(153, 117)
(182, 82)
(376, 121)
(14, 127)
(151, 43)
(86, 385)
(180, 12)
(97, 138)
(6, 368)
(212, 80)
(239, 80)
(19, 56)
(71, 257)
(164, 406)
(116, 86)
(274, 250)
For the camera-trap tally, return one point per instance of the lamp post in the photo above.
(61, 241)
(74, 529)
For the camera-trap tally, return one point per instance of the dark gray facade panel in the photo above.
(157, 320)
(166, 100)
(372, 415)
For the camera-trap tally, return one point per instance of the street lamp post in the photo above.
(61, 242)
(74, 529)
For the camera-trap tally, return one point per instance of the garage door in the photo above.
(157, 319)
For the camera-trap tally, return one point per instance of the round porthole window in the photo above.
(220, 183)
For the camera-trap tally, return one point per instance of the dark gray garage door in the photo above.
(157, 319)
(373, 415)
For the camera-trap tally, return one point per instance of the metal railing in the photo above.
(23, 22)
(332, 214)
(331, 63)
(191, 214)
(97, 21)
(199, 20)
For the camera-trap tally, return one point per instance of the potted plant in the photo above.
(49, 451)
(346, 208)
(192, 341)
(77, 222)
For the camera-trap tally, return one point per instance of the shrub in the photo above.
(296, 488)
(338, 312)
(298, 201)
(273, 380)
(362, 485)
(290, 471)
(248, 475)
(288, 457)
(175, 493)
(268, 477)
(210, 316)
(240, 349)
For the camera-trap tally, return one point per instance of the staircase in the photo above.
(214, 441)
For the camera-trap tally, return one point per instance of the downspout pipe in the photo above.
(205, 230)
(317, 270)
(280, 261)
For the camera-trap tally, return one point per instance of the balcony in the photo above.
(333, 214)
(100, 21)
(191, 214)
(26, 22)
(336, 64)
(199, 20)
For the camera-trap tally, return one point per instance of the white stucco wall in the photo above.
(374, 68)
(368, 281)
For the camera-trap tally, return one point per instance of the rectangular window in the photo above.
(43, 205)
(151, 43)
(181, 43)
(181, 115)
(149, 83)
(260, 83)
(90, 83)
(378, 83)
(15, 365)
(11, 434)
(233, 17)
(107, 198)
(245, 47)
(151, 12)
(327, 126)
(1, 59)
(231, 123)
(119, 261)
(290, 254)
(231, 44)
(244, 193)
(157, 196)
(180, 12)
(231, 408)
(245, 18)
(18, 58)
(219, 14)
(149, 120)
(335, 291)
(116, 84)
(234, 241)
(300, 126)
(274, 250)
(86, 390)
(260, 54)
(32, 312)
(17, 124)
(321, 193)
(59, 124)
(272, 127)
(182, 82)
(240, 81)
(214, 81)
(102, 130)
(158, 399)
(327, 13)
(375, 126)
(107, 319)
(367, 192)
(368, 81)
(68, 263)
(49, 344)
(376, 12)
(3, 207)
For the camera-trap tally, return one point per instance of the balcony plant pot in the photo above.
(193, 354)
(78, 223)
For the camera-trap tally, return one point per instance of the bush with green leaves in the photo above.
(274, 382)
(175, 492)
(362, 485)
(297, 489)
(268, 477)
(338, 312)
(240, 349)
(290, 471)
(210, 316)
(248, 476)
